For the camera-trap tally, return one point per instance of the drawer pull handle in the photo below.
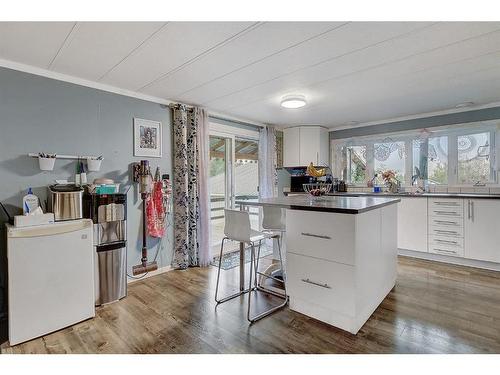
(316, 235)
(449, 213)
(447, 242)
(445, 251)
(317, 284)
(446, 203)
(444, 222)
(445, 231)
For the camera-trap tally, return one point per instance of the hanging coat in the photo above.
(155, 211)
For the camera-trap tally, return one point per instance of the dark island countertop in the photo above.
(409, 195)
(335, 204)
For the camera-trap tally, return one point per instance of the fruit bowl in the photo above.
(317, 189)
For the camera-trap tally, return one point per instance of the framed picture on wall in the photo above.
(147, 138)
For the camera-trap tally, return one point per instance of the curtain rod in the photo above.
(215, 117)
(235, 121)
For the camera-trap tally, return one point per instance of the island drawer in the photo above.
(324, 283)
(321, 235)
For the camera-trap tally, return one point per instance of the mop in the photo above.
(144, 176)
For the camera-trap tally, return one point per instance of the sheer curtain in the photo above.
(190, 188)
(267, 162)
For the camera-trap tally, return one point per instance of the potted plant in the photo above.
(391, 181)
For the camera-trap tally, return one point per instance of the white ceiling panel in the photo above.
(176, 44)
(376, 97)
(348, 71)
(263, 41)
(339, 42)
(32, 43)
(94, 48)
(404, 47)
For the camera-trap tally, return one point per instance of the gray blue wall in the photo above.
(38, 114)
(419, 123)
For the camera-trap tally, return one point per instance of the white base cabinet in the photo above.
(450, 227)
(340, 266)
(412, 224)
(482, 229)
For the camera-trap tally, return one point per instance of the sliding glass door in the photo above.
(234, 175)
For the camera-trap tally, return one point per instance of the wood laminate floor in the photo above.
(434, 308)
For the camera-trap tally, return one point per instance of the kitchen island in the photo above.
(341, 255)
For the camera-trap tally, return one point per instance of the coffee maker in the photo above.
(109, 215)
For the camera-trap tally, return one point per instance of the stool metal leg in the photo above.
(270, 311)
(225, 299)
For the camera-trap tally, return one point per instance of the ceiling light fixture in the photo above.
(465, 104)
(293, 101)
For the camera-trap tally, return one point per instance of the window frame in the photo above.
(451, 132)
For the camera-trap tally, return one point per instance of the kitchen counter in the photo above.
(332, 204)
(409, 195)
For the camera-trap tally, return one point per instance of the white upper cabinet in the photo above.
(305, 144)
(482, 229)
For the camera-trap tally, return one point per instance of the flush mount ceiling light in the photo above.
(463, 105)
(293, 101)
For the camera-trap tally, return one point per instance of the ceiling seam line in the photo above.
(134, 50)
(213, 48)
(266, 57)
(323, 62)
(63, 45)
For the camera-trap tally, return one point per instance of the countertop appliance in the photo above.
(109, 215)
(51, 278)
(65, 201)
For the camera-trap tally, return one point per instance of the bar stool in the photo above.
(237, 228)
(273, 221)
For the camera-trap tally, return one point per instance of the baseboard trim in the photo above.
(451, 260)
(159, 271)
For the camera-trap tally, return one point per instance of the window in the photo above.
(444, 156)
(474, 158)
(389, 156)
(354, 168)
(431, 154)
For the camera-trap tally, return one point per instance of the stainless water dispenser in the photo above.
(109, 215)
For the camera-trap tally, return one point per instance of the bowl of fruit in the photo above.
(317, 189)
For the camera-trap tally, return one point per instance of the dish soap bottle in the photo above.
(30, 202)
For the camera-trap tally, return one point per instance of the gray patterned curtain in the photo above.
(191, 242)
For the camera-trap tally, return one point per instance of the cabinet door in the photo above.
(309, 145)
(482, 229)
(324, 147)
(291, 147)
(412, 224)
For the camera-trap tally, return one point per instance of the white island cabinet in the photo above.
(340, 266)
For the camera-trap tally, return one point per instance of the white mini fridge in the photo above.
(51, 277)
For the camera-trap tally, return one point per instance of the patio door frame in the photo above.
(231, 133)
